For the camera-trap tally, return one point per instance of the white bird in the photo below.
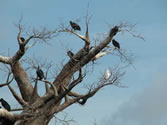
(107, 74)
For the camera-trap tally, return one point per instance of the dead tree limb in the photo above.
(52, 86)
(17, 97)
(35, 91)
(7, 81)
(22, 80)
(6, 60)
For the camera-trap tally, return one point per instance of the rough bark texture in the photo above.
(21, 78)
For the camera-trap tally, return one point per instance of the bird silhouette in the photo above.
(83, 101)
(5, 104)
(116, 44)
(114, 31)
(75, 26)
(22, 39)
(40, 73)
(70, 54)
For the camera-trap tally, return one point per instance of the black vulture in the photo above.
(22, 39)
(114, 31)
(115, 43)
(5, 104)
(75, 26)
(40, 73)
(70, 54)
(83, 101)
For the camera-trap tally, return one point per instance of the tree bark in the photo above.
(23, 83)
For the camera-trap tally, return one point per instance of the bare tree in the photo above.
(39, 110)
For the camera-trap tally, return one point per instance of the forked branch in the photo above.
(75, 33)
(7, 81)
(52, 86)
(17, 97)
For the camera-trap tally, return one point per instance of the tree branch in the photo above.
(14, 117)
(22, 49)
(64, 105)
(87, 43)
(46, 84)
(74, 94)
(16, 109)
(7, 81)
(17, 97)
(75, 33)
(114, 79)
(21, 78)
(6, 60)
(101, 54)
(35, 91)
(52, 85)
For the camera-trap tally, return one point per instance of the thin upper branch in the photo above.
(101, 54)
(22, 49)
(46, 75)
(17, 97)
(7, 81)
(43, 35)
(35, 91)
(75, 33)
(16, 109)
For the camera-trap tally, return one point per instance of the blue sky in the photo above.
(143, 102)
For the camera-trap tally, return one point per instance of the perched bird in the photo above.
(70, 54)
(114, 31)
(115, 43)
(5, 104)
(107, 74)
(40, 73)
(75, 26)
(83, 101)
(22, 39)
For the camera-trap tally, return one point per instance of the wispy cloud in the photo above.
(146, 108)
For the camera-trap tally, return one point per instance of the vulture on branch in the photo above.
(115, 43)
(83, 101)
(70, 54)
(22, 39)
(5, 104)
(114, 31)
(75, 26)
(40, 73)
